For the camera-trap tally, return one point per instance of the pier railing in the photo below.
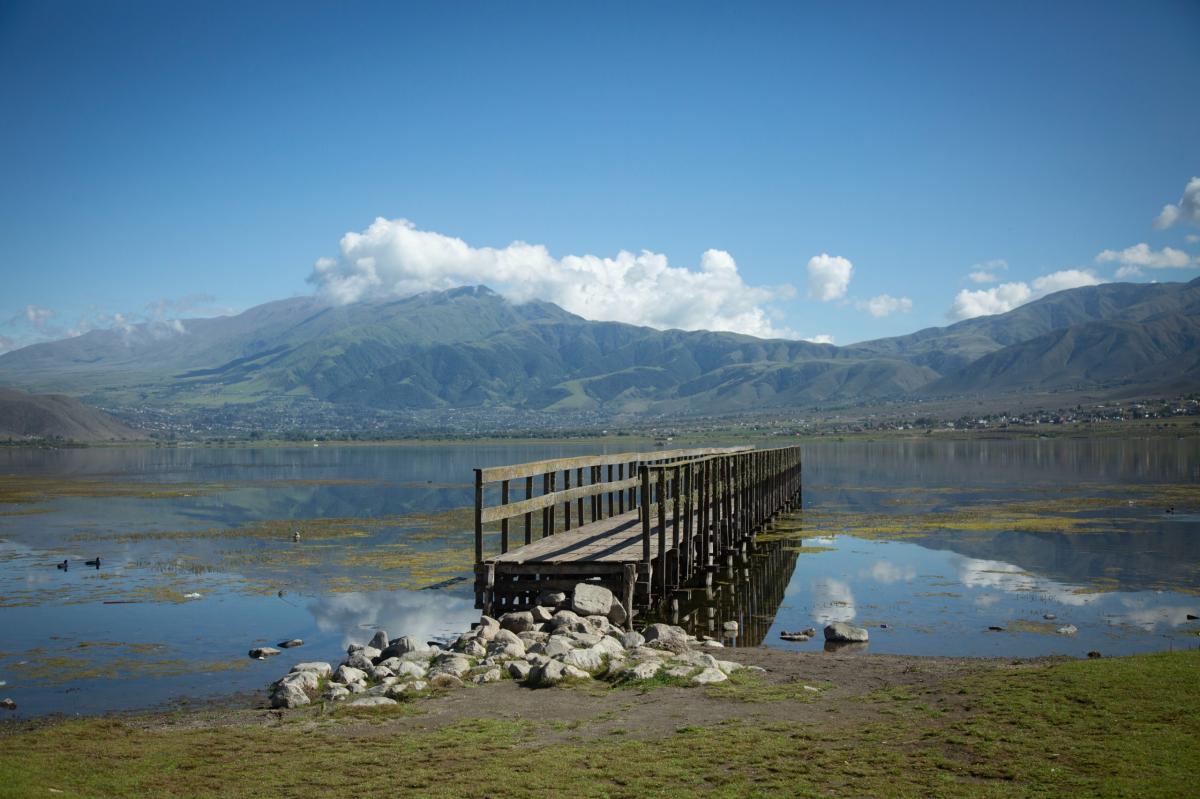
(710, 504)
(578, 490)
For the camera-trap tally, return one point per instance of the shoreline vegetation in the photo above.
(756, 433)
(879, 725)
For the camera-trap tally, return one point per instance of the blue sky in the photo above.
(160, 159)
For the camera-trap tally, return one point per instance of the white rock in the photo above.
(681, 670)
(404, 645)
(577, 673)
(381, 672)
(321, 669)
(729, 666)
(548, 673)
(557, 646)
(588, 599)
(552, 599)
(632, 640)
(518, 621)
(1067, 629)
(709, 676)
(445, 681)
(698, 659)
(360, 661)
(506, 651)
(349, 674)
(611, 646)
(488, 627)
(665, 636)
(455, 665)
(335, 692)
(617, 614)
(519, 669)
(410, 670)
(491, 675)
(586, 659)
(379, 640)
(642, 671)
(542, 614)
(373, 701)
(840, 632)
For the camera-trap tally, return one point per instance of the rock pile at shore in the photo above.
(563, 637)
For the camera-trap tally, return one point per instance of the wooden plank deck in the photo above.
(616, 540)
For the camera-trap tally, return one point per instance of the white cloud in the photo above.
(833, 601)
(985, 302)
(828, 276)
(885, 304)
(1126, 272)
(1191, 238)
(36, 317)
(1188, 208)
(395, 258)
(820, 338)
(1007, 296)
(1142, 255)
(887, 572)
(1065, 279)
(986, 271)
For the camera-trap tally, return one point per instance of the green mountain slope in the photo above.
(55, 416)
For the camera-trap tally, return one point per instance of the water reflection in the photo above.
(427, 615)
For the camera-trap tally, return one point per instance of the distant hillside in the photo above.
(56, 416)
(469, 348)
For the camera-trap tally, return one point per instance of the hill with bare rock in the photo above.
(42, 416)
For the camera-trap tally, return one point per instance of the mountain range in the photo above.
(469, 348)
(40, 416)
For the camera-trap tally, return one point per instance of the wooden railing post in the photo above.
(644, 477)
(479, 515)
(662, 533)
(529, 516)
(503, 522)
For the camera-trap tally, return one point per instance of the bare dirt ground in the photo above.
(582, 712)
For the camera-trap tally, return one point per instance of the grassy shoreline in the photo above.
(888, 726)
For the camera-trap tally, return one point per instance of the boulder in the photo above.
(402, 646)
(473, 649)
(575, 673)
(586, 659)
(263, 652)
(610, 646)
(552, 599)
(407, 670)
(379, 640)
(698, 659)
(617, 614)
(641, 671)
(507, 637)
(445, 682)
(335, 692)
(487, 628)
(590, 599)
(542, 614)
(729, 666)
(530, 638)
(506, 651)
(730, 628)
(360, 661)
(366, 651)
(491, 675)
(680, 670)
(381, 673)
(665, 636)
(295, 689)
(632, 639)
(291, 643)
(406, 689)
(348, 674)
(455, 665)
(708, 676)
(840, 632)
(321, 669)
(601, 625)
(1067, 629)
(557, 646)
(373, 701)
(518, 669)
(548, 673)
(518, 621)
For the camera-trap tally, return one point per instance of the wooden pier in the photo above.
(640, 524)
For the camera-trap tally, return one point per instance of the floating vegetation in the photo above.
(1031, 626)
(26, 489)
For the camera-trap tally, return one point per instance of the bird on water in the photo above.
(64, 565)
(95, 562)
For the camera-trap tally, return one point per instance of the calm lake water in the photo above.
(929, 544)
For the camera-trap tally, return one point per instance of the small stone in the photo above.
(588, 599)
(1049, 616)
(617, 614)
(840, 632)
(713, 645)
(8, 704)
(708, 676)
(445, 682)
(680, 671)
(1067, 629)
(797, 637)
(373, 701)
(519, 669)
(542, 614)
(996, 628)
(263, 652)
(335, 692)
(1094, 654)
(576, 673)
(322, 669)
(291, 644)
(729, 666)
(518, 621)
(379, 640)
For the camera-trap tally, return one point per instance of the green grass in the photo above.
(1110, 727)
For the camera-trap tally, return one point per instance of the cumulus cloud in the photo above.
(1126, 272)
(884, 305)
(820, 338)
(986, 271)
(828, 276)
(1142, 255)
(887, 572)
(393, 257)
(1191, 238)
(833, 601)
(1007, 296)
(1187, 210)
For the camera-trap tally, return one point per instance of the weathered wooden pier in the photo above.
(640, 524)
